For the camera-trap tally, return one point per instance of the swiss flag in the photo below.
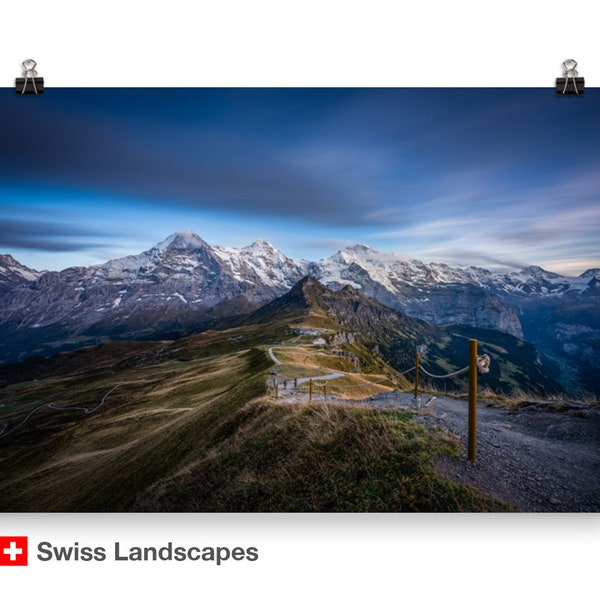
(13, 551)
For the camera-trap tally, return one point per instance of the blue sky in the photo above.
(499, 178)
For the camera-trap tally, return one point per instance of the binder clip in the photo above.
(570, 84)
(30, 84)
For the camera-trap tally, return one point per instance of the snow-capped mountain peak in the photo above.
(261, 246)
(183, 240)
(261, 263)
(383, 268)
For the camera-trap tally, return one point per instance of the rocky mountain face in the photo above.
(13, 274)
(348, 310)
(183, 282)
(262, 266)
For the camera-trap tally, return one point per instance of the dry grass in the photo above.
(68, 461)
(310, 357)
(353, 386)
(316, 458)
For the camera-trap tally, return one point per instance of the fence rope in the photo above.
(483, 366)
(459, 372)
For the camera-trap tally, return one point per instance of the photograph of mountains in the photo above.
(261, 300)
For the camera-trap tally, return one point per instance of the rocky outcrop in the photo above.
(13, 274)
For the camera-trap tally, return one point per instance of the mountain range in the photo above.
(184, 284)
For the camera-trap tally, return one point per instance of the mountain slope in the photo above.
(516, 365)
(185, 427)
(558, 314)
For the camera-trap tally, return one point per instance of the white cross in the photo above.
(13, 551)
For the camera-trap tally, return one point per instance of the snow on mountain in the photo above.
(182, 252)
(535, 281)
(183, 240)
(10, 266)
(396, 271)
(389, 270)
(433, 292)
(262, 263)
(170, 285)
(591, 273)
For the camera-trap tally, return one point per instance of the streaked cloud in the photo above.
(46, 236)
(505, 177)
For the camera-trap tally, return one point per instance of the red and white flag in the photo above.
(13, 551)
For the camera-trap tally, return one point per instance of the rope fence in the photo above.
(459, 372)
(482, 364)
(408, 371)
(477, 364)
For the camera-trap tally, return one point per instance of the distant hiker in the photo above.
(295, 382)
(284, 383)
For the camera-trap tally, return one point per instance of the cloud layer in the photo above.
(509, 176)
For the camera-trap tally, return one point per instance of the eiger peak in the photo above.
(184, 240)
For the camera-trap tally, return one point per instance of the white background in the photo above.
(309, 43)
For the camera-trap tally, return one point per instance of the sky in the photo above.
(498, 178)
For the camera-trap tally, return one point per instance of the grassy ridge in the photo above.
(297, 458)
(189, 429)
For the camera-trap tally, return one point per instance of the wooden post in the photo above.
(310, 390)
(472, 442)
(276, 390)
(325, 393)
(417, 376)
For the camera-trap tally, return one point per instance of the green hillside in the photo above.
(190, 428)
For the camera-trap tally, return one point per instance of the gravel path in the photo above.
(537, 459)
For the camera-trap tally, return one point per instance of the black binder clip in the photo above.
(30, 84)
(570, 84)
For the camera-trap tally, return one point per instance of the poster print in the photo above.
(214, 300)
